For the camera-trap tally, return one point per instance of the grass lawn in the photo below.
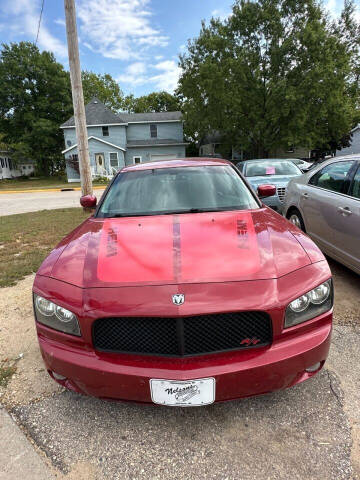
(39, 183)
(27, 238)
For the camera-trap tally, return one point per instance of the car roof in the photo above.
(179, 162)
(351, 156)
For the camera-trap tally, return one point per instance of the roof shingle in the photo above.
(99, 114)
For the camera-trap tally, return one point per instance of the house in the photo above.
(116, 140)
(211, 145)
(355, 143)
(8, 169)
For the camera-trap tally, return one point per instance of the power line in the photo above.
(38, 30)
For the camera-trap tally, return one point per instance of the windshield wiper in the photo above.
(174, 212)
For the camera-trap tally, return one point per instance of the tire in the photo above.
(294, 217)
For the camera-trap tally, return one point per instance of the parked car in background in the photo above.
(302, 164)
(183, 289)
(270, 171)
(325, 203)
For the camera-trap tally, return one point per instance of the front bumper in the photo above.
(237, 374)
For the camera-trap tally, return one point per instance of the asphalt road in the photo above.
(311, 431)
(11, 203)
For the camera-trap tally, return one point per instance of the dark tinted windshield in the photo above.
(270, 167)
(176, 190)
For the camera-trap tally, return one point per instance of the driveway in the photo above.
(311, 431)
(11, 203)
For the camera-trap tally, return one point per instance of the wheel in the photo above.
(294, 216)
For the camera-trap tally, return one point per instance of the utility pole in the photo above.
(78, 98)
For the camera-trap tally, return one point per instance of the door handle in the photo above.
(305, 195)
(344, 211)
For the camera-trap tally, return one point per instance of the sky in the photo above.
(137, 41)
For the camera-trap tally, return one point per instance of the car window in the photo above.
(355, 188)
(270, 167)
(176, 190)
(332, 177)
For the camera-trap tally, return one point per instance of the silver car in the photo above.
(302, 164)
(325, 203)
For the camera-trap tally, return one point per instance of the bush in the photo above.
(100, 179)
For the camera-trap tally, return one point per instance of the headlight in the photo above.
(56, 317)
(310, 305)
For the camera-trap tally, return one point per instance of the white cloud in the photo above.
(120, 29)
(332, 7)
(60, 21)
(169, 76)
(24, 19)
(220, 13)
(135, 74)
(163, 75)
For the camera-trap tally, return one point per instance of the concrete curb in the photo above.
(18, 459)
(96, 187)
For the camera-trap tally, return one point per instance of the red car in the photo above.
(183, 289)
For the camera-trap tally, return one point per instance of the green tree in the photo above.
(104, 87)
(348, 31)
(35, 98)
(274, 74)
(153, 102)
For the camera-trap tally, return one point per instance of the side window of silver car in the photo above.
(355, 187)
(332, 177)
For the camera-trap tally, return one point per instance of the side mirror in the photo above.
(88, 201)
(266, 191)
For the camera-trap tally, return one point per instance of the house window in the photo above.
(2, 162)
(137, 159)
(105, 131)
(153, 131)
(10, 164)
(114, 160)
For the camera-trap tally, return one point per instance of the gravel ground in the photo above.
(311, 431)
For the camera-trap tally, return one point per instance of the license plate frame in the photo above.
(183, 393)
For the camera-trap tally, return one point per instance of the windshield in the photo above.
(270, 167)
(176, 190)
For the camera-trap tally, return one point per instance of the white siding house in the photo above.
(116, 140)
(355, 143)
(8, 169)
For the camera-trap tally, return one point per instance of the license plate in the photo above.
(183, 393)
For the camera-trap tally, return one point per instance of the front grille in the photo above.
(183, 336)
(281, 193)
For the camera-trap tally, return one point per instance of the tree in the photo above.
(153, 102)
(272, 75)
(35, 99)
(348, 31)
(104, 87)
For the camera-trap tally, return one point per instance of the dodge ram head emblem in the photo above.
(178, 299)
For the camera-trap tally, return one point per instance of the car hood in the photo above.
(278, 180)
(176, 249)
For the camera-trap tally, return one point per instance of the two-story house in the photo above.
(122, 139)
